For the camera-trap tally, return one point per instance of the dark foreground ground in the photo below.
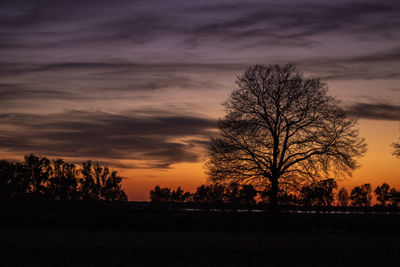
(131, 248)
(99, 235)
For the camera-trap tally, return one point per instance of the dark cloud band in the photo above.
(380, 111)
(162, 140)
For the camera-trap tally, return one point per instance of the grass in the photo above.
(43, 247)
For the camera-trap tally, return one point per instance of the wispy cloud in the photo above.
(384, 64)
(251, 23)
(375, 111)
(162, 139)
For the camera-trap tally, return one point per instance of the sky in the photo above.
(138, 85)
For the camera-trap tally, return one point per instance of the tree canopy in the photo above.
(282, 129)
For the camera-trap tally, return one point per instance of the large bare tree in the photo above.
(281, 130)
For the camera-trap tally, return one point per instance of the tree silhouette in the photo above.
(343, 197)
(112, 189)
(99, 183)
(382, 194)
(394, 197)
(202, 194)
(213, 193)
(361, 196)
(8, 187)
(37, 171)
(159, 194)
(88, 187)
(63, 182)
(319, 193)
(58, 180)
(179, 195)
(282, 128)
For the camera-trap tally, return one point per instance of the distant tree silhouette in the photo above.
(37, 171)
(213, 193)
(88, 187)
(20, 182)
(63, 182)
(232, 194)
(394, 198)
(179, 195)
(8, 186)
(56, 179)
(382, 194)
(361, 196)
(343, 197)
(202, 194)
(112, 189)
(281, 127)
(159, 194)
(247, 195)
(319, 193)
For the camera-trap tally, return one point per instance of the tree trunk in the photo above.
(273, 201)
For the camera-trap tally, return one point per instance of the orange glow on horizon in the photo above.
(377, 166)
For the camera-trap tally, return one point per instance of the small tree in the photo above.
(87, 184)
(63, 182)
(99, 182)
(282, 128)
(159, 194)
(37, 171)
(112, 189)
(382, 194)
(361, 196)
(179, 195)
(343, 197)
(319, 193)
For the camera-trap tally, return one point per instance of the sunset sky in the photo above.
(138, 85)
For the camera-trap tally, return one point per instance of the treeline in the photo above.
(323, 193)
(41, 178)
(233, 194)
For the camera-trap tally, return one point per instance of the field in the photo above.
(132, 248)
(106, 237)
